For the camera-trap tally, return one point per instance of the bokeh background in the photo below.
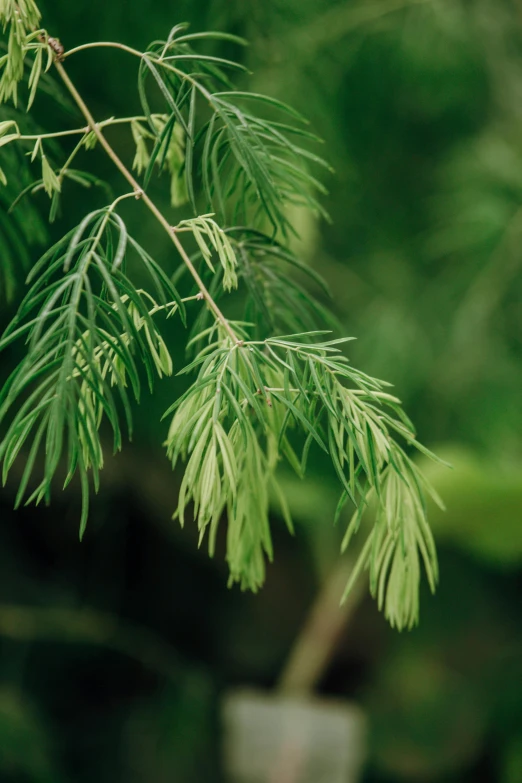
(115, 654)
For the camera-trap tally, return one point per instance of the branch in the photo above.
(139, 192)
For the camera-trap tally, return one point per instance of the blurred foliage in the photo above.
(419, 103)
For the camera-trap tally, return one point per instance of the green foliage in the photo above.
(21, 17)
(277, 386)
(249, 166)
(83, 321)
(276, 299)
(211, 238)
(257, 398)
(171, 156)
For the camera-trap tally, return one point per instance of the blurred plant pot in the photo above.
(271, 738)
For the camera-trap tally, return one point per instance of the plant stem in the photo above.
(139, 193)
(54, 135)
(106, 44)
(77, 131)
(318, 639)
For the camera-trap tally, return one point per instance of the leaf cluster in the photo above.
(22, 17)
(250, 167)
(169, 156)
(211, 239)
(88, 332)
(255, 403)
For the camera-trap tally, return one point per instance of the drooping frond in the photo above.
(281, 396)
(398, 543)
(250, 165)
(231, 456)
(88, 331)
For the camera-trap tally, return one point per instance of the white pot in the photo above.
(281, 739)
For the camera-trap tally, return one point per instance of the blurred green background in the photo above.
(114, 654)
